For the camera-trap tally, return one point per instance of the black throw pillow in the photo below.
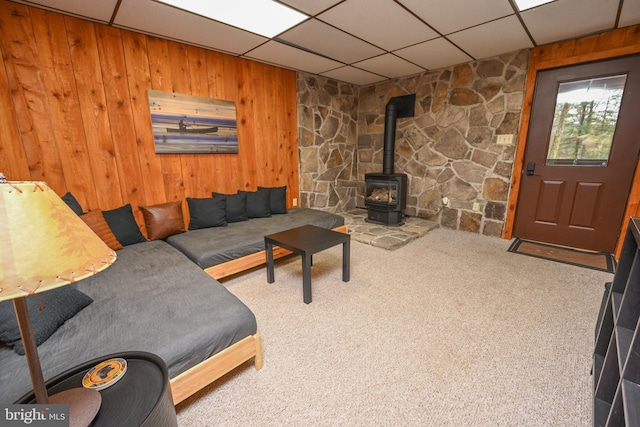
(257, 203)
(236, 208)
(60, 305)
(277, 199)
(208, 212)
(124, 225)
(72, 202)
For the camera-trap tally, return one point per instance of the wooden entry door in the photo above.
(581, 154)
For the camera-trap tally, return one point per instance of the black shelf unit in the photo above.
(616, 356)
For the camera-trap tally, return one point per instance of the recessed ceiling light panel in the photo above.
(528, 4)
(264, 17)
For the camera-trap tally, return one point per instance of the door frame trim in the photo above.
(607, 45)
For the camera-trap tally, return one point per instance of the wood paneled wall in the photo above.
(620, 42)
(74, 113)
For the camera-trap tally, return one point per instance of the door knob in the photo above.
(531, 168)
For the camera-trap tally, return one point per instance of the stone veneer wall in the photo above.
(449, 148)
(327, 141)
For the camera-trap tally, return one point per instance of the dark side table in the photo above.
(306, 241)
(142, 397)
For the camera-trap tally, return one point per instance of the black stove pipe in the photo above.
(397, 107)
(389, 138)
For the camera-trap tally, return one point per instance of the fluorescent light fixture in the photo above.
(264, 17)
(528, 4)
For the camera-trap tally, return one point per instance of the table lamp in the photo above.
(45, 245)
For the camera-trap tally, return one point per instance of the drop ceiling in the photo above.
(369, 41)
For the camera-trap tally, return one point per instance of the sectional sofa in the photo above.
(161, 295)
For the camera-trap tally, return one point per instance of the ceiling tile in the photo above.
(156, 18)
(353, 75)
(434, 54)
(290, 57)
(310, 7)
(386, 24)
(389, 65)
(326, 40)
(448, 16)
(630, 14)
(493, 38)
(565, 19)
(386, 37)
(94, 10)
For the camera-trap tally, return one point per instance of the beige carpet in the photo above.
(449, 330)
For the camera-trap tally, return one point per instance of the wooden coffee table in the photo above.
(306, 241)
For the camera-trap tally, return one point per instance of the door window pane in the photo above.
(585, 121)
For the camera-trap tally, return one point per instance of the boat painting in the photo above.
(185, 128)
(185, 124)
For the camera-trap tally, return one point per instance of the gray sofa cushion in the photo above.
(151, 299)
(236, 207)
(47, 311)
(123, 225)
(207, 212)
(213, 246)
(277, 199)
(73, 203)
(257, 203)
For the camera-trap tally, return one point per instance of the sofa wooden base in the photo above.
(254, 260)
(205, 373)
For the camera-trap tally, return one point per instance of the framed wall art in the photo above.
(185, 124)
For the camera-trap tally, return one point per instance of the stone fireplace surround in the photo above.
(448, 149)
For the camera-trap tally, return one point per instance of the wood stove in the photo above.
(386, 198)
(386, 192)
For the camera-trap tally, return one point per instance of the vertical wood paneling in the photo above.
(198, 71)
(289, 135)
(93, 106)
(219, 66)
(273, 178)
(201, 185)
(75, 113)
(29, 96)
(158, 50)
(262, 118)
(248, 128)
(64, 107)
(611, 44)
(114, 75)
(179, 66)
(283, 173)
(181, 83)
(14, 159)
(139, 81)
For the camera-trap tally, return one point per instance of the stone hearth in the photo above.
(387, 237)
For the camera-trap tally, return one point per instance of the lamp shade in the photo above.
(43, 243)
